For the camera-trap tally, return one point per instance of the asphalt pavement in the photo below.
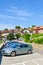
(28, 59)
(39, 51)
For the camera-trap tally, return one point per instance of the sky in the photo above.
(24, 13)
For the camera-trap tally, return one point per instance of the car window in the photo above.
(21, 46)
(14, 46)
(8, 44)
(25, 45)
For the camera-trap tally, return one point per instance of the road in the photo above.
(28, 59)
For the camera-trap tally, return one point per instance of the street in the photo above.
(28, 59)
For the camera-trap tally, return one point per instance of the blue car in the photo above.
(17, 48)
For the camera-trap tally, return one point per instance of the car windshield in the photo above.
(14, 45)
(8, 44)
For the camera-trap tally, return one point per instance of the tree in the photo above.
(28, 27)
(5, 29)
(33, 25)
(18, 35)
(25, 28)
(17, 27)
(10, 36)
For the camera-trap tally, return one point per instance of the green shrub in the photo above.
(37, 35)
(38, 40)
(26, 37)
(10, 36)
(18, 35)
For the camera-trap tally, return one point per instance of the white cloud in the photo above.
(5, 16)
(19, 12)
(3, 26)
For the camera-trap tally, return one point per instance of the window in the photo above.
(14, 46)
(8, 44)
(21, 46)
(25, 45)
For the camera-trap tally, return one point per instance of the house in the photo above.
(38, 29)
(25, 31)
(6, 32)
(17, 31)
(34, 30)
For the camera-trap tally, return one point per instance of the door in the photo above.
(22, 49)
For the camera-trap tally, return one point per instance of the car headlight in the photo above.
(7, 51)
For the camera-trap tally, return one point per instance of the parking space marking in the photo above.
(41, 59)
(18, 63)
(23, 63)
(35, 62)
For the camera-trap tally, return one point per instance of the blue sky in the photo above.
(24, 13)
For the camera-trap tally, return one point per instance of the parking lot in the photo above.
(27, 59)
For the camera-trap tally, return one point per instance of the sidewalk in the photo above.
(38, 46)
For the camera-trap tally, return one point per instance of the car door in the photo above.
(25, 48)
(20, 49)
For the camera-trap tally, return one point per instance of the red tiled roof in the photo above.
(12, 31)
(39, 28)
(17, 30)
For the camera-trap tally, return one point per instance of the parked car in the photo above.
(19, 48)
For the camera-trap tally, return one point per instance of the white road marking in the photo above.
(17, 63)
(41, 59)
(23, 63)
(35, 62)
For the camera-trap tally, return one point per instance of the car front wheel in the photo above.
(13, 53)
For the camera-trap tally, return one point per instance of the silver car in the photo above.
(17, 48)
